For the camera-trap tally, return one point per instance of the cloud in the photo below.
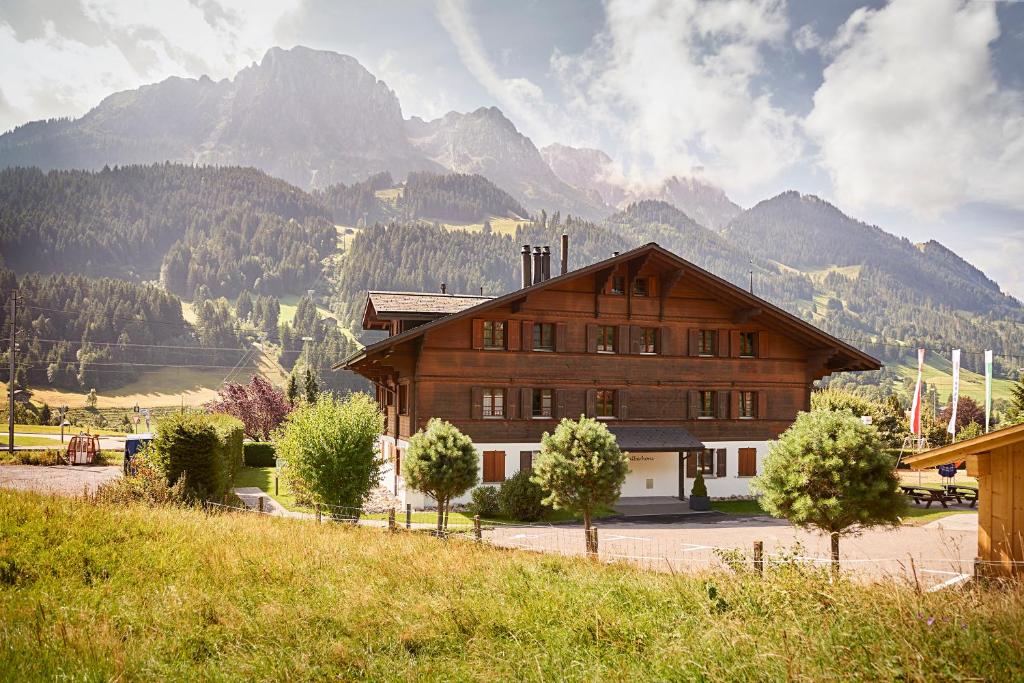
(428, 100)
(806, 39)
(141, 41)
(675, 83)
(910, 113)
(520, 98)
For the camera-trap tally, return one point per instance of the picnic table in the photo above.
(924, 494)
(962, 493)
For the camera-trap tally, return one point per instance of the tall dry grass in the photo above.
(98, 592)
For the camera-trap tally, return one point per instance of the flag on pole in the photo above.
(988, 389)
(956, 392)
(915, 407)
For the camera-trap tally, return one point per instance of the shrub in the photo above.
(700, 489)
(259, 454)
(484, 501)
(441, 462)
(148, 486)
(521, 498)
(330, 449)
(206, 449)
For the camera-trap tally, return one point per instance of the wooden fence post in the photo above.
(476, 527)
(318, 517)
(759, 556)
(259, 504)
(408, 515)
(275, 485)
(591, 536)
(391, 519)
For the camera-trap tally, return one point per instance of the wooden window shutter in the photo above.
(527, 341)
(559, 399)
(488, 466)
(722, 407)
(525, 460)
(478, 333)
(665, 341)
(511, 402)
(734, 343)
(723, 343)
(526, 403)
(691, 464)
(591, 338)
(747, 462)
(622, 403)
(720, 466)
(634, 339)
(499, 465)
(622, 343)
(561, 339)
(591, 402)
(762, 405)
(694, 404)
(734, 404)
(477, 407)
(694, 345)
(512, 329)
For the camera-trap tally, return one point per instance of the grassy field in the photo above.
(51, 429)
(29, 441)
(103, 593)
(500, 226)
(938, 372)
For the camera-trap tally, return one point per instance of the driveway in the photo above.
(64, 479)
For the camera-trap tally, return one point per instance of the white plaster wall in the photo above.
(731, 485)
(662, 468)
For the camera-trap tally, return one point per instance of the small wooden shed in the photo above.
(997, 460)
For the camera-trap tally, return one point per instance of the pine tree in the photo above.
(312, 387)
(293, 390)
(243, 305)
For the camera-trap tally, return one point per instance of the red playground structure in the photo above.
(83, 448)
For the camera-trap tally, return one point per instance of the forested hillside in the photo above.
(222, 228)
(80, 333)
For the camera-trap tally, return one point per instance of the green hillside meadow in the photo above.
(102, 593)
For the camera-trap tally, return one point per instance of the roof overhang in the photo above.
(654, 439)
(979, 445)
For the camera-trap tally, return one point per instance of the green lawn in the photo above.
(68, 431)
(97, 592)
(30, 441)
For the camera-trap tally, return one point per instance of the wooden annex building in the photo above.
(689, 371)
(997, 460)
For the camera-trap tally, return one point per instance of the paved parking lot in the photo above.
(64, 479)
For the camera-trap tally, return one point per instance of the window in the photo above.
(748, 344)
(605, 403)
(748, 462)
(494, 334)
(526, 460)
(748, 403)
(494, 403)
(640, 286)
(648, 339)
(494, 467)
(605, 339)
(706, 462)
(706, 404)
(542, 400)
(618, 284)
(707, 342)
(403, 399)
(544, 337)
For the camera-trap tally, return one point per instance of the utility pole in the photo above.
(13, 352)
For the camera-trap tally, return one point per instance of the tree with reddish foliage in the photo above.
(259, 406)
(967, 411)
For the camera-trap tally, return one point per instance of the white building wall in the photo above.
(661, 468)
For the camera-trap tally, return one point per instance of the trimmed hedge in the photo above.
(259, 454)
(521, 498)
(205, 449)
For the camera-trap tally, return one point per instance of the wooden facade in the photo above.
(997, 460)
(638, 339)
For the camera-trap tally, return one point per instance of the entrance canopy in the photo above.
(654, 439)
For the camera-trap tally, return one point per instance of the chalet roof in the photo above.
(858, 360)
(959, 451)
(654, 438)
(422, 302)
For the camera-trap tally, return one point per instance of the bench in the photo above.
(923, 494)
(962, 493)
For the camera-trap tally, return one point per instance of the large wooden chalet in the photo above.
(690, 372)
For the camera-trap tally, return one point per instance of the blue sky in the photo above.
(908, 114)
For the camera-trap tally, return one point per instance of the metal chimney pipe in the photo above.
(565, 253)
(546, 262)
(538, 267)
(527, 269)
(444, 288)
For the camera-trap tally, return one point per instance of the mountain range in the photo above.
(330, 128)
